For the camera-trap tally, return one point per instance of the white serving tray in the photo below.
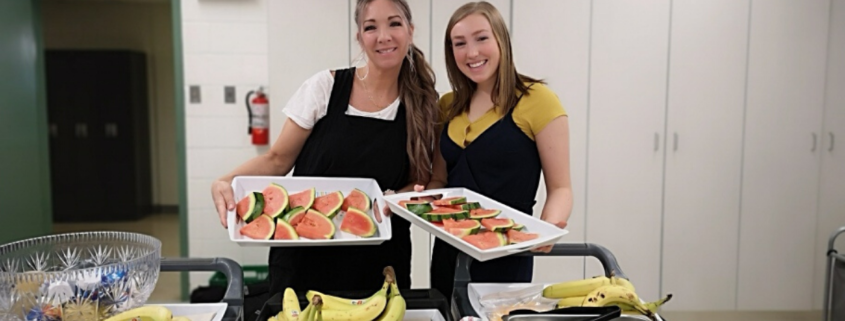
(476, 291)
(247, 184)
(200, 311)
(549, 234)
(423, 315)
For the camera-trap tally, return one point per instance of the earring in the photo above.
(357, 60)
(410, 56)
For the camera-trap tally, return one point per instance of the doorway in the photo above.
(112, 121)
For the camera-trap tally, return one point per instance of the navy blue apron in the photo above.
(343, 145)
(502, 164)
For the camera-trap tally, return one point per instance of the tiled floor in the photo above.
(165, 227)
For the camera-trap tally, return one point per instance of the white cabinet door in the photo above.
(704, 153)
(557, 51)
(628, 67)
(786, 79)
(441, 12)
(832, 185)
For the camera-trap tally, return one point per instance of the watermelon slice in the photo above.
(250, 207)
(497, 224)
(357, 199)
(481, 213)
(442, 213)
(465, 206)
(515, 236)
(418, 207)
(358, 223)
(315, 226)
(329, 204)
(450, 201)
(261, 228)
(518, 227)
(304, 199)
(294, 216)
(275, 200)
(285, 231)
(486, 240)
(461, 228)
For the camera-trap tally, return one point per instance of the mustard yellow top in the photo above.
(533, 112)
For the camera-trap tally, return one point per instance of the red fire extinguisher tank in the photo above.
(259, 117)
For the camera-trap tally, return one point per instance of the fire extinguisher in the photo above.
(259, 117)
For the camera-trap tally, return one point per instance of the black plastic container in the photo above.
(415, 299)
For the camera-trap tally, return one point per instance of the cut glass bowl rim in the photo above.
(53, 239)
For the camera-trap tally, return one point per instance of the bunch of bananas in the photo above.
(600, 291)
(387, 304)
(147, 313)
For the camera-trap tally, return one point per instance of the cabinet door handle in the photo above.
(81, 130)
(111, 130)
(656, 141)
(814, 142)
(54, 130)
(676, 142)
(831, 142)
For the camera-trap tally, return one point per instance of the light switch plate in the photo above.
(229, 94)
(195, 94)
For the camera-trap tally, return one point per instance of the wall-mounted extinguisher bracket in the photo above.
(259, 116)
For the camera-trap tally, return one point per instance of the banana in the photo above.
(272, 319)
(396, 306)
(180, 319)
(616, 295)
(365, 312)
(574, 301)
(144, 313)
(623, 282)
(336, 303)
(317, 302)
(307, 314)
(290, 305)
(575, 288)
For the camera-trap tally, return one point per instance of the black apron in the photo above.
(502, 164)
(343, 145)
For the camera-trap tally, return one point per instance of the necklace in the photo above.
(370, 95)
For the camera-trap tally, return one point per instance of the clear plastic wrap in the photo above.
(499, 304)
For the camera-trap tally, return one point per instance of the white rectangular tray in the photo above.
(242, 185)
(549, 234)
(218, 310)
(423, 315)
(477, 290)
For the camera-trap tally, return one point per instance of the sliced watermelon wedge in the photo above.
(497, 224)
(481, 213)
(450, 201)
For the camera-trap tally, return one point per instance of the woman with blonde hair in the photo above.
(501, 130)
(376, 121)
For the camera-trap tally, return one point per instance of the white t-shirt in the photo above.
(311, 101)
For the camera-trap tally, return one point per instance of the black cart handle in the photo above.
(460, 297)
(234, 297)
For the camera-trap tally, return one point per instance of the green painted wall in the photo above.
(25, 206)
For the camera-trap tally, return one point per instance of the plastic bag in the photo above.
(499, 304)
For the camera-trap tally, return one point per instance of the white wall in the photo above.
(671, 117)
(224, 43)
(144, 27)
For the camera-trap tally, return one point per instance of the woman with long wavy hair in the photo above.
(376, 121)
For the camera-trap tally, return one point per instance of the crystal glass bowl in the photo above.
(78, 276)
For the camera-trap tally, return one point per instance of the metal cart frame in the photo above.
(461, 306)
(234, 296)
(835, 262)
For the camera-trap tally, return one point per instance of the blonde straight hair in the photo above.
(416, 89)
(508, 81)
